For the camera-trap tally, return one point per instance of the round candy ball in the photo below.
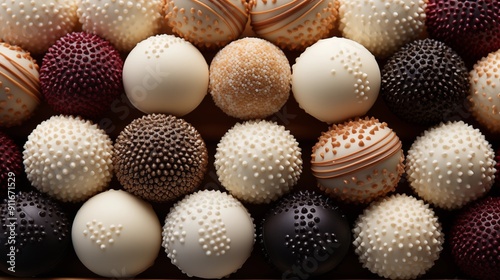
(258, 161)
(35, 234)
(165, 74)
(81, 74)
(36, 25)
(68, 158)
(250, 79)
(450, 165)
(123, 23)
(398, 237)
(358, 161)
(425, 82)
(160, 157)
(11, 163)
(208, 234)
(207, 24)
(293, 25)
(335, 79)
(19, 85)
(382, 26)
(484, 92)
(304, 234)
(116, 234)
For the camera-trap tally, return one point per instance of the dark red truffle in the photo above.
(475, 239)
(470, 27)
(81, 74)
(425, 82)
(11, 162)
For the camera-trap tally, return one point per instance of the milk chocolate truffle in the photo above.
(474, 239)
(160, 157)
(358, 161)
(425, 82)
(304, 230)
(382, 26)
(35, 234)
(207, 24)
(258, 161)
(398, 237)
(11, 163)
(165, 74)
(293, 25)
(36, 25)
(250, 79)
(484, 92)
(450, 165)
(116, 234)
(81, 74)
(470, 27)
(208, 234)
(335, 79)
(68, 158)
(123, 23)
(19, 85)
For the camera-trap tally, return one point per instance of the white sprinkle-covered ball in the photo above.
(122, 23)
(382, 26)
(450, 165)
(36, 25)
(115, 234)
(485, 91)
(258, 161)
(358, 161)
(336, 79)
(68, 158)
(208, 234)
(165, 74)
(398, 237)
(206, 23)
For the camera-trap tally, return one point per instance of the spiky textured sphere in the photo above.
(258, 161)
(68, 158)
(160, 157)
(81, 74)
(11, 162)
(398, 237)
(425, 82)
(450, 165)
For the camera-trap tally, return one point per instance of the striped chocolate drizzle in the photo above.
(20, 76)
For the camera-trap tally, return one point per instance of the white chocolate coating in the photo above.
(116, 234)
(165, 74)
(336, 79)
(208, 234)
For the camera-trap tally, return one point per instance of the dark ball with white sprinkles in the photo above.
(160, 157)
(305, 234)
(425, 82)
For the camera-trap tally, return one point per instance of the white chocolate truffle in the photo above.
(358, 161)
(165, 74)
(485, 91)
(382, 26)
(116, 234)
(19, 85)
(208, 234)
(398, 237)
(450, 165)
(122, 23)
(336, 79)
(250, 79)
(36, 25)
(292, 24)
(258, 161)
(68, 158)
(207, 24)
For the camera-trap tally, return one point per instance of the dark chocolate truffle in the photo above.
(425, 82)
(160, 157)
(11, 162)
(34, 236)
(475, 239)
(305, 235)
